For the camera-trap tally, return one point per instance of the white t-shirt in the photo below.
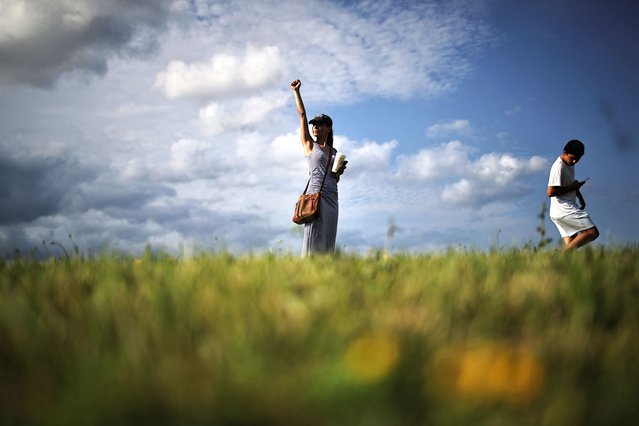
(562, 175)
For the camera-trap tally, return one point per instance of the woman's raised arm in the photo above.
(305, 136)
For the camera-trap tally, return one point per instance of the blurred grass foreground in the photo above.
(508, 338)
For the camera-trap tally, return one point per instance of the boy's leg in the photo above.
(580, 239)
(568, 240)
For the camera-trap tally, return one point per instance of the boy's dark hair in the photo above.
(575, 147)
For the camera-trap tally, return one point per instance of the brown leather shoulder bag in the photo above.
(307, 206)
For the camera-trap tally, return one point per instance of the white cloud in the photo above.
(223, 75)
(493, 177)
(430, 164)
(503, 168)
(368, 157)
(196, 159)
(233, 115)
(455, 127)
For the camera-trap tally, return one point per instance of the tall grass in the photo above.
(511, 337)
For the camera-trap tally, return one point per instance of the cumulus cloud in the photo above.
(367, 157)
(233, 115)
(491, 177)
(503, 168)
(196, 159)
(224, 74)
(430, 164)
(42, 39)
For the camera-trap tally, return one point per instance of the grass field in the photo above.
(508, 337)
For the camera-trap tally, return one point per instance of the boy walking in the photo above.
(573, 222)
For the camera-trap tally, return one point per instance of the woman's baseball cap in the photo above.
(322, 119)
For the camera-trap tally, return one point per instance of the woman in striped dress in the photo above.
(319, 235)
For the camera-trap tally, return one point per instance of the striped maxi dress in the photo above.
(319, 235)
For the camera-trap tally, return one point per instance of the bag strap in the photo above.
(328, 163)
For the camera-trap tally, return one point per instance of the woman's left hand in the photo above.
(341, 170)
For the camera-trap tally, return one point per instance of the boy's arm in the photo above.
(581, 200)
(554, 191)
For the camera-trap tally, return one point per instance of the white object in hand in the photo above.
(339, 160)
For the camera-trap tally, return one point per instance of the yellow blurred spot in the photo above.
(489, 372)
(371, 357)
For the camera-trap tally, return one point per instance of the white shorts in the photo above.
(573, 223)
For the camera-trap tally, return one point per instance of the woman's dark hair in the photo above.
(329, 139)
(575, 147)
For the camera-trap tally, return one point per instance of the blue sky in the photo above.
(172, 124)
